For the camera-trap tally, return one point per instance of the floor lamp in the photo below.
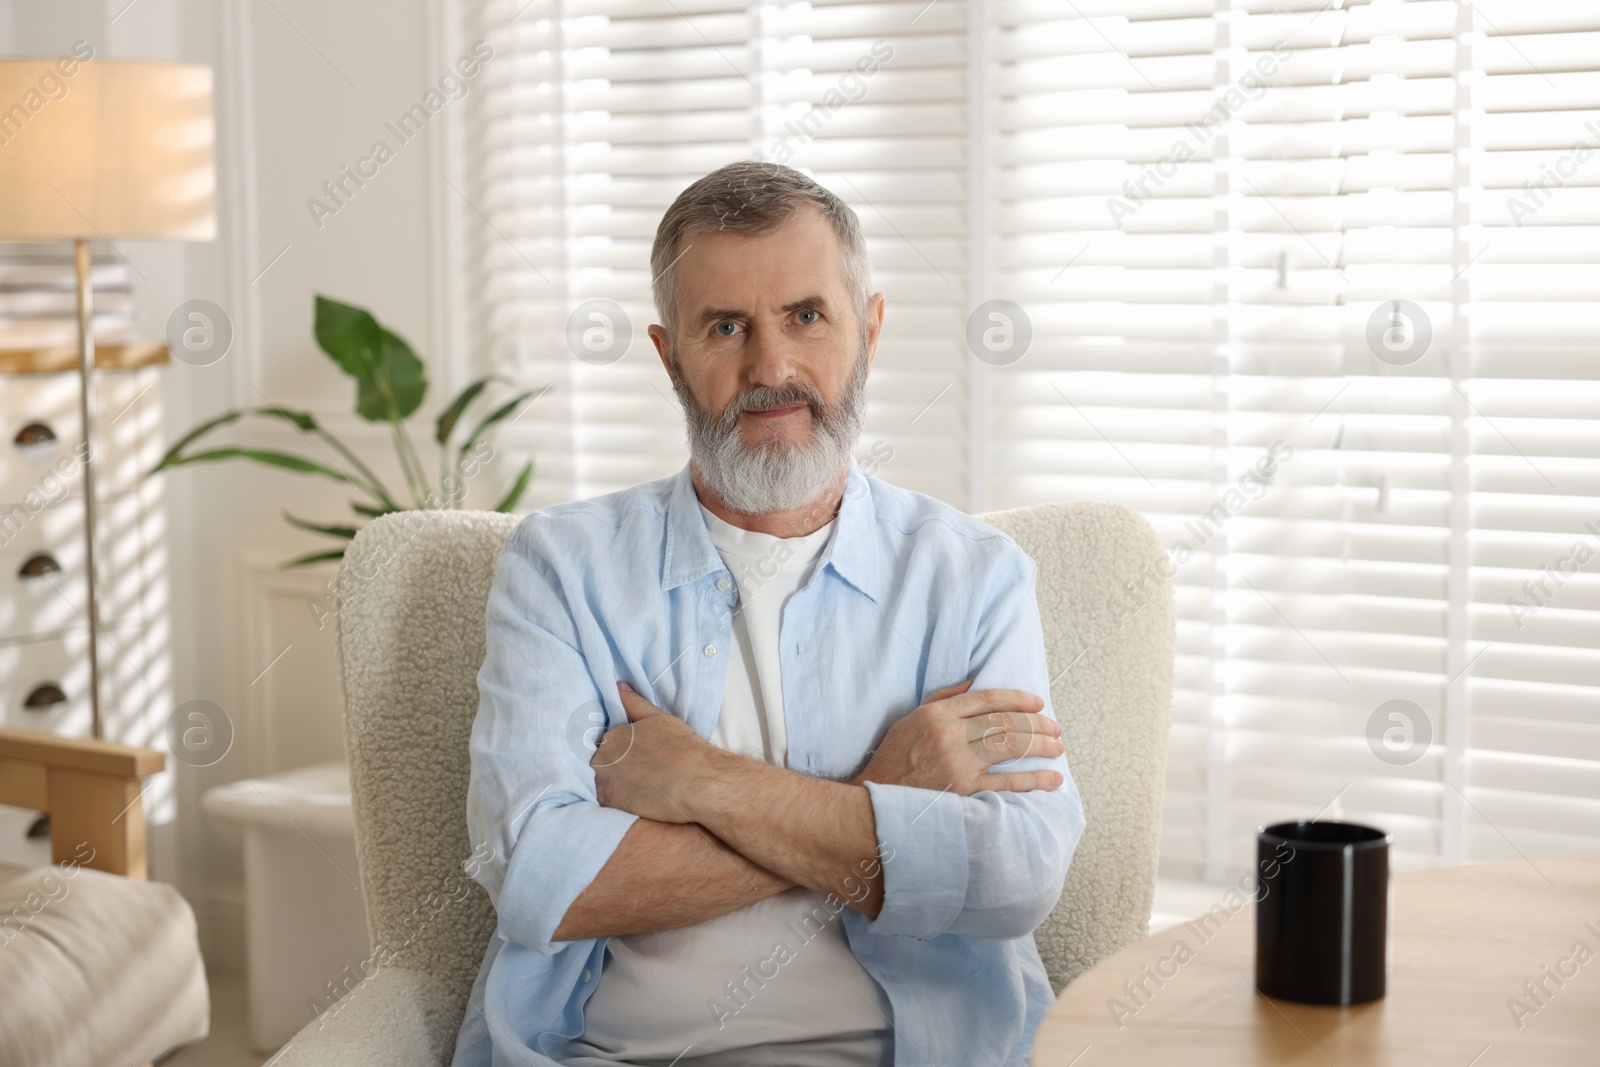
(97, 148)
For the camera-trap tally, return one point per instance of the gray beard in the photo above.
(773, 476)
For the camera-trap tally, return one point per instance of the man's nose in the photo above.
(769, 357)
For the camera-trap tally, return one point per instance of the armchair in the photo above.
(412, 592)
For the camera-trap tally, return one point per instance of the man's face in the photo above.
(770, 361)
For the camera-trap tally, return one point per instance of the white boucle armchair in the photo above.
(412, 592)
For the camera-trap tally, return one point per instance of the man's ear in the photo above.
(874, 326)
(663, 342)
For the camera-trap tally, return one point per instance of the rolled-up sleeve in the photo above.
(988, 866)
(539, 833)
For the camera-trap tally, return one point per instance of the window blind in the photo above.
(594, 115)
(1284, 306)
(1310, 285)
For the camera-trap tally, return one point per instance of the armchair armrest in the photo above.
(396, 1018)
(90, 790)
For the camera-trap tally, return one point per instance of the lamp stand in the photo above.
(80, 250)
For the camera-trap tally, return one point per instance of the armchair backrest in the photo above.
(1105, 601)
(413, 589)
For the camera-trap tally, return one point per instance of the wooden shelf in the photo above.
(59, 360)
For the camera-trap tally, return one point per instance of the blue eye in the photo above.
(809, 311)
(732, 328)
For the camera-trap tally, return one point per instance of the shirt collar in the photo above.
(852, 551)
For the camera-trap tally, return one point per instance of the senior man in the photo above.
(763, 759)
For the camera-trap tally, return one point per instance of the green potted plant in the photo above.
(390, 386)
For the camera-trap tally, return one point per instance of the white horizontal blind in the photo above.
(897, 152)
(592, 117)
(1201, 206)
(555, 195)
(1532, 759)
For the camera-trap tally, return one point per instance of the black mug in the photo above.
(1322, 914)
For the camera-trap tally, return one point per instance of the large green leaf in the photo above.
(493, 417)
(371, 512)
(303, 419)
(350, 335)
(315, 557)
(171, 458)
(452, 414)
(402, 375)
(517, 489)
(332, 531)
(298, 418)
(391, 380)
(270, 458)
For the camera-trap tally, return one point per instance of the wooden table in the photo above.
(1462, 941)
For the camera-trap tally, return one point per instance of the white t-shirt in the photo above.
(779, 970)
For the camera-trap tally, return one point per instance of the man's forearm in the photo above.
(818, 833)
(662, 876)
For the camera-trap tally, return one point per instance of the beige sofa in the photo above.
(412, 591)
(98, 967)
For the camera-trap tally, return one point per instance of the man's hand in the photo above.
(638, 766)
(794, 828)
(950, 741)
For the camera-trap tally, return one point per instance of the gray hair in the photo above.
(753, 198)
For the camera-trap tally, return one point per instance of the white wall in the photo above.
(302, 88)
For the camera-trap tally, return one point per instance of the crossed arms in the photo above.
(660, 829)
(803, 831)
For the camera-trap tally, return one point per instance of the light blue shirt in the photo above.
(910, 596)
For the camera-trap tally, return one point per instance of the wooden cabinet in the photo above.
(44, 670)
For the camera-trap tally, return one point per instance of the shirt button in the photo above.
(711, 650)
(586, 976)
(724, 585)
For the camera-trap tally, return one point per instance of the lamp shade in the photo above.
(100, 148)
